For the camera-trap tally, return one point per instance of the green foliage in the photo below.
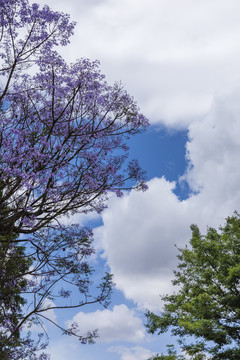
(13, 265)
(207, 306)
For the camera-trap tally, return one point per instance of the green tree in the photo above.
(13, 265)
(204, 313)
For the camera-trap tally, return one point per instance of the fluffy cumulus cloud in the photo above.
(66, 348)
(138, 235)
(213, 149)
(119, 324)
(172, 57)
(135, 353)
(140, 230)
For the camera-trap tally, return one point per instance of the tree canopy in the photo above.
(204, 313)
(62, 127)
(63, 132)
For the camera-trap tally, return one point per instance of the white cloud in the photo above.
(66, 348)
(135, 353)
(140, 230)
(172, 57)
(138, 239)
(119, 324)
(214, 147)
(138, 236)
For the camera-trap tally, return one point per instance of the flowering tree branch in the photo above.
(63, 133)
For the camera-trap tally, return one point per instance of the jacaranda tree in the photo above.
(204, 314)
(63, 133)
(62, 129)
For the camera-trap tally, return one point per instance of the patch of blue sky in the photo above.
(162, 152)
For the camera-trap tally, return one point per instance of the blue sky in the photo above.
(180, 60)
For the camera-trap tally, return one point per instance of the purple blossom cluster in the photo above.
(63, 130)
(63, 148)
(63, 142)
